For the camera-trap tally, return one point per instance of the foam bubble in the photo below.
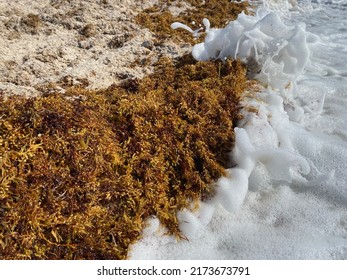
(232, 190)
(279, 161)
(152, 225)
(189, 223)
(205, 213)
(176, 25)
(275, 52)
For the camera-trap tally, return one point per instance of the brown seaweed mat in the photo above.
(81, 172)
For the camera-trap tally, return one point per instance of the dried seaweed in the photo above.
(81, 172)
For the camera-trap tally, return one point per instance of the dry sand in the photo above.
(74, 41)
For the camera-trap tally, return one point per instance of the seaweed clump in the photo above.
(31, 23)
(80, 173)
(159, 18)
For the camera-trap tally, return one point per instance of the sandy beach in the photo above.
(70, 42)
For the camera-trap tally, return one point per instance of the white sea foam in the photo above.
(275, 52)
(286, 197)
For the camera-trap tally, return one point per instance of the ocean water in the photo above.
(286, 195)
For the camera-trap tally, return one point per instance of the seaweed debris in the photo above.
(159, 18)
(81, 172)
